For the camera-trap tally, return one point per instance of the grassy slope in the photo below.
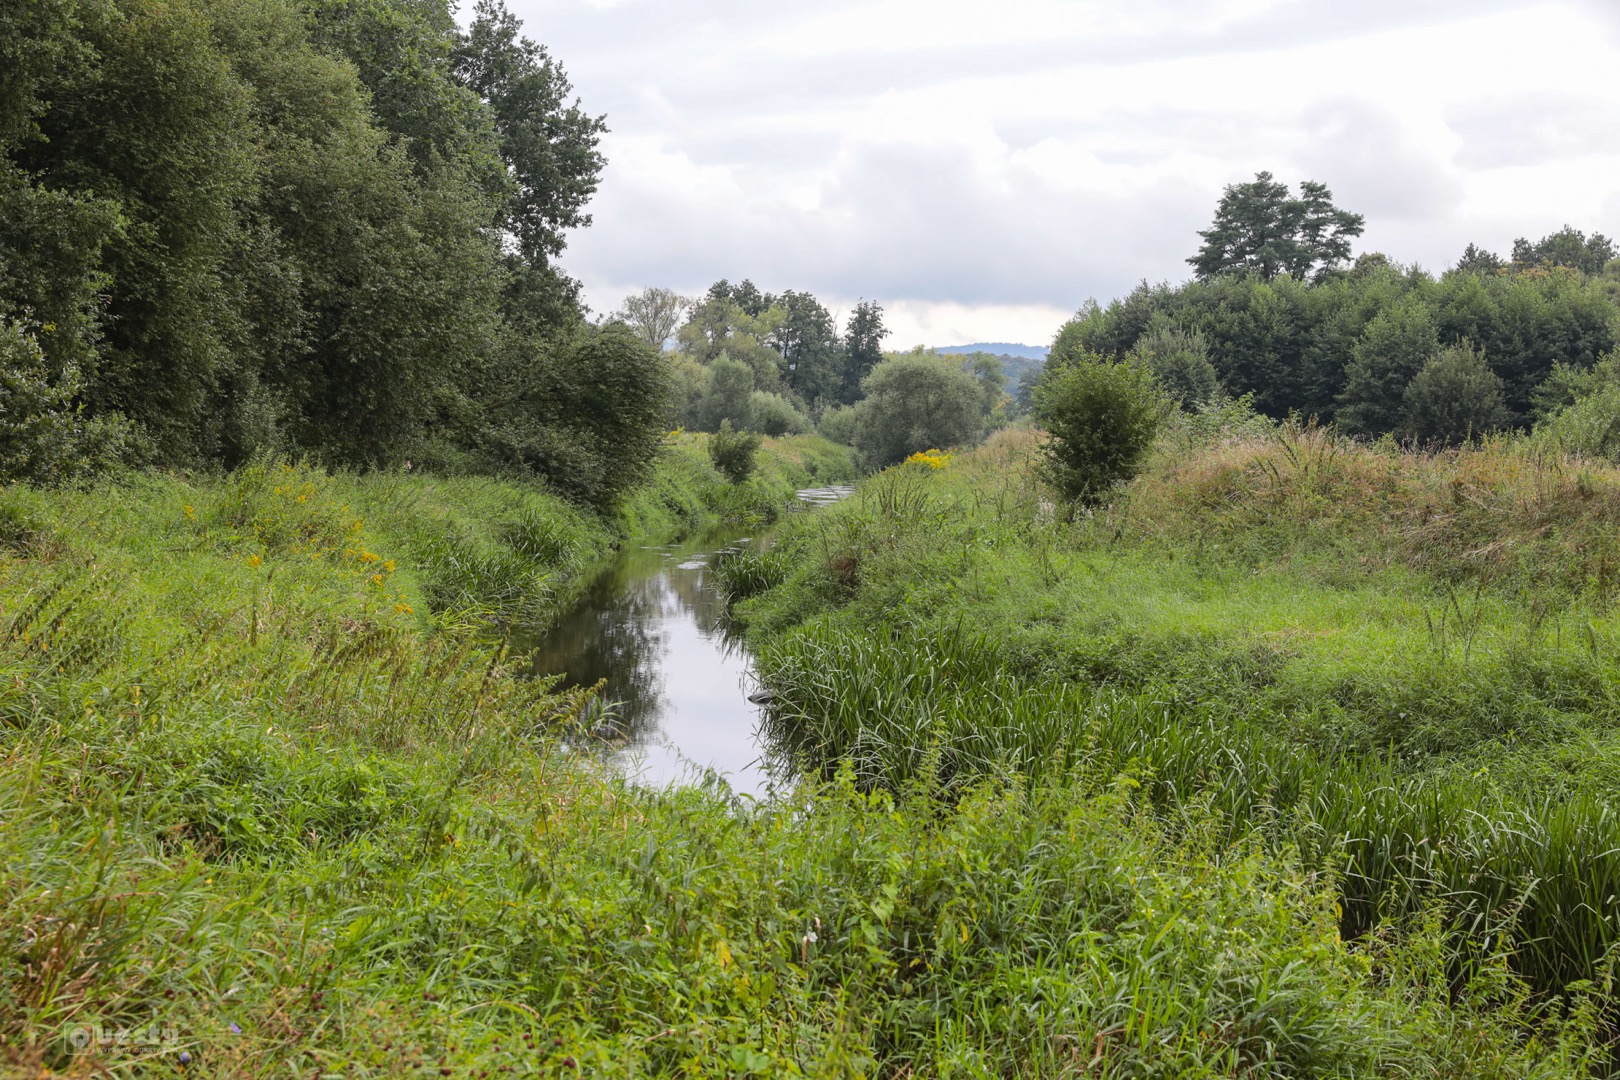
(264, 789)
(1451, 610)
(1402, 665)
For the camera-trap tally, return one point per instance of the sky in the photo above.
(981, 169)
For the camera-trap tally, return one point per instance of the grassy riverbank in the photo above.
(1401, 666)
(271, 806)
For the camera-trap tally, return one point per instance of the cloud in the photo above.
(1377, 167)
(922, 153)
(1534, 129)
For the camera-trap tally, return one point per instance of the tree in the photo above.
(729, 396)
(1260, 228)
(548, 142)
(653, 314)
(746, 296)
(1100, 418)
(1179, 361)
(863, 348)
(808, 344)
(1476, 260)
(917, 401)
(1392, 349)
(1454, 398)
(1568, 247)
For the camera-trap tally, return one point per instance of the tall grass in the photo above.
(944, 715)
(263, 813)
(1395, 664)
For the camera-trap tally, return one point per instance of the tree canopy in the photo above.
(325, 227)
(1261, 228)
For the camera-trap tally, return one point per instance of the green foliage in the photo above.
(585, 412)
(1581, 411)
(807, 340)
(914, 402)
(1260, 228)
(1179, 361)
(1343, 349)
(728, 397)
(1392, 349)
(733, 452)
(1568, 247)
(862, 347)
(840, 424)
(1100, 419)
(774, 415)
(1454, 398)
(43, 438)
(548, 143)
(260, 227)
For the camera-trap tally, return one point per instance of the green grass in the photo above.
(284, 817)
(1429, 725)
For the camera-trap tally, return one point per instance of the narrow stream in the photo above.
(675, 703)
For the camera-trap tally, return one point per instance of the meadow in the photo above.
(277, 802)
(1398, 667)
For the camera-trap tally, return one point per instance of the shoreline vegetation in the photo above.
(1193, 743)
(1077, 795)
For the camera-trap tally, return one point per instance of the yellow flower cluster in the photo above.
(934, 459)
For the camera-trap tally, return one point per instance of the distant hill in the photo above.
(1017, 361)
(997, 348)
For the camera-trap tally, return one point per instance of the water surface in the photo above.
(654, 627)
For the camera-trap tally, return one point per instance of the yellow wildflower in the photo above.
(934, 459)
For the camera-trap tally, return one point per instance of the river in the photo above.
(653, 625)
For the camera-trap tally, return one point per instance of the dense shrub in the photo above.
(1100, 418)
(733, 452)
(1454, 398)
(1179, 361)
(43, 437)
(774, 415)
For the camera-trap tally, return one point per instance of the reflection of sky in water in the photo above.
(652, 627)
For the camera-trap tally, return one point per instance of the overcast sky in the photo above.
(981, 169)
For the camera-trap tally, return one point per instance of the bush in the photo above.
(43, 438)
(587, 413)
(774, 415)
(1100, 418)
(839, 423)
(733, 452)
(1454, 398)
(917, 402)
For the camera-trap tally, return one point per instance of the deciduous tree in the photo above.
(1261, 228)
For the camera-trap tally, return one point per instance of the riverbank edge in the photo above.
(263, 814)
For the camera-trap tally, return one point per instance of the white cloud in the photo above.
(974, 169)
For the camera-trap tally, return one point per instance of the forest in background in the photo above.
(234, 227)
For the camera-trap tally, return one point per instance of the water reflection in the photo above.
(654, 627)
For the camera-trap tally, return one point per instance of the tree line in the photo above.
(1278, 313)
(324, 227)
(777, 363)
